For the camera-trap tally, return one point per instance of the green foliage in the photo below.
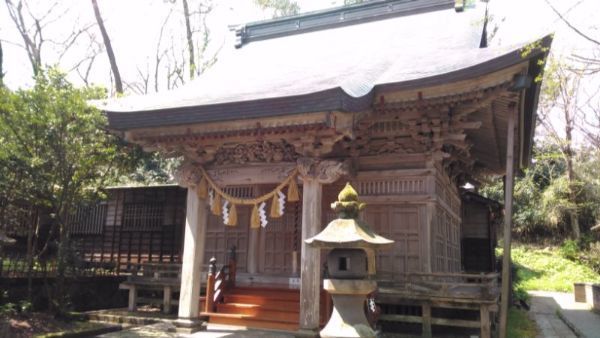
(56, 153)
(541, 196)
(520, 325)
(280, 8)
(569, 249)
(546, 269)
(591, 256)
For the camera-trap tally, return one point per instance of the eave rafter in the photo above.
(244, 145)
(437, 127)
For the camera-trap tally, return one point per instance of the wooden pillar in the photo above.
(252, 258)
(484, 315)
(132, 305)
(167, 294)
(310, 260)
(426, 326)
(314, 173)
(508, 201)
(193, 251)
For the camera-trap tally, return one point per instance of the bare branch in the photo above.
(582, 34)
(109, 49)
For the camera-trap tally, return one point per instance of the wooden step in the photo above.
(218, 318)
(258, 300)
(245, 306)
(256, 312)
(265, 287)
(275, 295)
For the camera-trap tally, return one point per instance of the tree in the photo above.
(280, 8)
(1, 67)
(559, 116)
(56, 147)
(109, 49)
(32, 22)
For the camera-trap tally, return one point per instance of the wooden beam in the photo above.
(193, 254)
(508, 204)
(310, 266)
(427, 320)
(434, 321)
(270, 173)
(484, 314)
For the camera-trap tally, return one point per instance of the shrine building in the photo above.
(404, 99)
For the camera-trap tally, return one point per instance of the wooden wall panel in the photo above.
(139, 241)
(278, 241)
(401, 224)
(220, 238)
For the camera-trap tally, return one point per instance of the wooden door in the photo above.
(278, 240)
(220, 237)
(401, 224)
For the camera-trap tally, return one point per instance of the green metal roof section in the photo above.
(336, 17)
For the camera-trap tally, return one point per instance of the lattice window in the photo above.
(143, 216)
(88, 220)
(396, 186)
(240, 191)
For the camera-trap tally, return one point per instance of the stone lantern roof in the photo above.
(347, 231)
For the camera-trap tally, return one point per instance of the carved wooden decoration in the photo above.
(323, 171)
(262, 152)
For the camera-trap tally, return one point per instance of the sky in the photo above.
(134, 27)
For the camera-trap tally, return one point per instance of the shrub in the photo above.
(591, 257)
(569, 250)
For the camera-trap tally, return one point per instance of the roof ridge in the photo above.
(335, 17)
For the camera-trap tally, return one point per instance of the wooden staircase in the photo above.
(270, 307)
(258, 305)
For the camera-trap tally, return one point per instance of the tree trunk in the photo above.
(1, 67)
(60, 296)
(190, 41)
(568, 151)
(109, 49)
(573, 214)
(30, 254)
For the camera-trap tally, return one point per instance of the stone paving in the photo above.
(578, 316)
(544, 312)
(167, 330)
(558, 315)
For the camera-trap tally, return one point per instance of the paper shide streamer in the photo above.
(225, 205)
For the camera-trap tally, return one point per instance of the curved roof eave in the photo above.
(333, 99)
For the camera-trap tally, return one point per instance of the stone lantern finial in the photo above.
(348, 206)
(348, 231)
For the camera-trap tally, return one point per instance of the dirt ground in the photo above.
(33, 324)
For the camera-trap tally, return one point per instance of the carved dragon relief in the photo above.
(324, 171)
(265, 151)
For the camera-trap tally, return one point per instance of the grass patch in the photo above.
(545, 269)
(520, 325)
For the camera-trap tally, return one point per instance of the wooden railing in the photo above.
(219, 281)
(483, 286)
(475, 292)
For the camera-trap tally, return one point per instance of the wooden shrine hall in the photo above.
(402, 98)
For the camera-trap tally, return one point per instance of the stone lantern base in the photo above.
(348, 318)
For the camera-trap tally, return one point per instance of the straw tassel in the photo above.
(202, 189)
(292, 193)
(216, 206)
(275, 209)
(255, 218)
(232, 221)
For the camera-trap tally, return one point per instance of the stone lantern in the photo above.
(350, 263)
